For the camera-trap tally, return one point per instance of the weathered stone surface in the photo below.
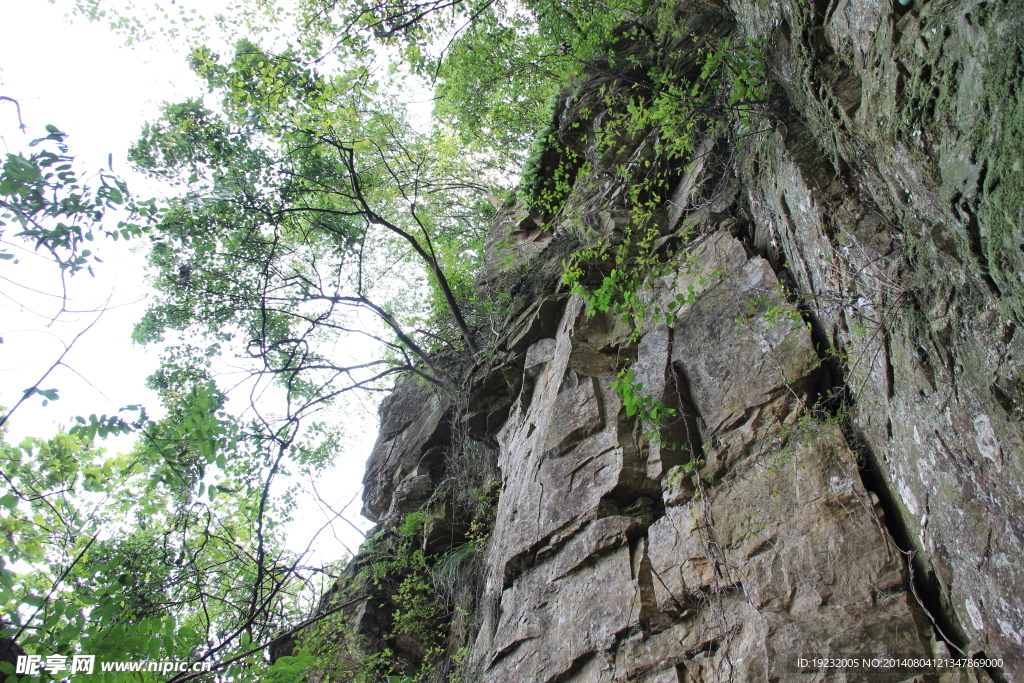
(596, 538)
(780, 528)
(651, 373)
(411, 419)
(739, 343)
(540, 352)
(514, 238)
(547, 625)
(929, 350)
(791, 526)
(931, 124)
(576, 414)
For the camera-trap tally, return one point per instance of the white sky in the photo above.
(82, 79)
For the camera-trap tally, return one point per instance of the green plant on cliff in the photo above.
(670, 121)
(769, 310)
(426, 603)
(642, 406)
(424, 593)
(648, 409)
(495, 76)
(417, 607)
(483, 514)
(532, 176)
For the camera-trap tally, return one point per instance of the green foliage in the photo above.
(331, 648)
(742, 66)
(504, 63)
(43, 197)
(484, 512)
(307, 200)
(425, 595)
(413, 523)
(774, 309)
(161, 552)
(646, 408)
(493, 84)
(418, 611)
(664, 120)
(93, 585)
(532, 178)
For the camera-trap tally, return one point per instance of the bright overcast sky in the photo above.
(82, 79)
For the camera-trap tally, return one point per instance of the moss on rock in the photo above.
(1000, 131)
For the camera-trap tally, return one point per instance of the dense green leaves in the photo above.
(127, 548)
(307, 200)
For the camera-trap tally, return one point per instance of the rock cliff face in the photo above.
(843, 471)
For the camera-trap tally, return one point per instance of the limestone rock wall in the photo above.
(843, 472)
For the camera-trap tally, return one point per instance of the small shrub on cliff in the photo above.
(413, 523)
(671, 122)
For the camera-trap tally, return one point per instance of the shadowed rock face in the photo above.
(413, 424)
(865, 244)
